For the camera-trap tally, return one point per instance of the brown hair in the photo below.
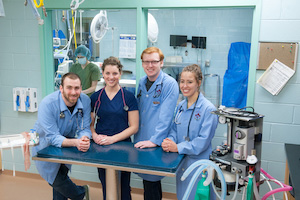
(70, 75)
(150, 50)
(112, 61)
(195, 69)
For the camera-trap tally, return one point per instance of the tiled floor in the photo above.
(32, 187)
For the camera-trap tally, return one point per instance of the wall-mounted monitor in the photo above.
(178, 40)
(199, 42)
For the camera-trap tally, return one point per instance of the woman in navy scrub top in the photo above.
(114, 116)
(193, 127)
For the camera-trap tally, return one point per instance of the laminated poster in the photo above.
(127, 46)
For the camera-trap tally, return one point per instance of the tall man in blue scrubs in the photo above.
(62, 116)
(157, 98)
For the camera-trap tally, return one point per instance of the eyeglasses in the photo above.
(153, 62)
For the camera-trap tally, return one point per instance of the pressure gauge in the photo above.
(252, 160)
(222, 119)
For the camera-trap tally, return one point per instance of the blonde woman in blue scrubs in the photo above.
(193, 127)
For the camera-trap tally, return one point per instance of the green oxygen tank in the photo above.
(202, 192)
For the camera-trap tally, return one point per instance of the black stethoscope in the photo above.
(79, 114)
(98, 103)
(177, 116)
(157, 91)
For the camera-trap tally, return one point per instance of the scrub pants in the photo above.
(64, 188)
(125, 184)
(152, 190)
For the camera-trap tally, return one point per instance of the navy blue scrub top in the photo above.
(113, 119)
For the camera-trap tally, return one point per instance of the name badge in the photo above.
(156, 102)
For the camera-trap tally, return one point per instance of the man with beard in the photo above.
(63, 115)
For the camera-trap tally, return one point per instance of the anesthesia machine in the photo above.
(237, 161)
(241, 153)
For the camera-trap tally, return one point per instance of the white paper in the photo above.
(127, 46)
(275, 77)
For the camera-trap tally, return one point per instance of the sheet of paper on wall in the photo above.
(275, 77)
(127, 46)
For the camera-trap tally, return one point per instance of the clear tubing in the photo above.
(210, 163)
(270, 187)
(255, 190)
(192, 182)
(71, 35)
(215, 190)
(68, 22)
(35, 12)
(69, 28)
(236, 185)
(244, 192)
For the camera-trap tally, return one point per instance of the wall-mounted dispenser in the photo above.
(25, 99)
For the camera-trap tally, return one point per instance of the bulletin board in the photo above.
(282, 51)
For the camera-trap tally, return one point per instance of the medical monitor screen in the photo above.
(178, 40)
(199, 42)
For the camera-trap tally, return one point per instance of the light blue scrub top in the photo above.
(202, 130)
(156, 108)
(53, 129)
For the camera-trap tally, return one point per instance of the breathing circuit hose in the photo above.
(205, 163)
(192, 182)
(255, 190)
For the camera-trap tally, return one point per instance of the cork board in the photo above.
(282, 51)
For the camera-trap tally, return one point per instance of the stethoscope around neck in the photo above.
(177, 116)
(79, 113)
(157, 91)
(98, 103)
